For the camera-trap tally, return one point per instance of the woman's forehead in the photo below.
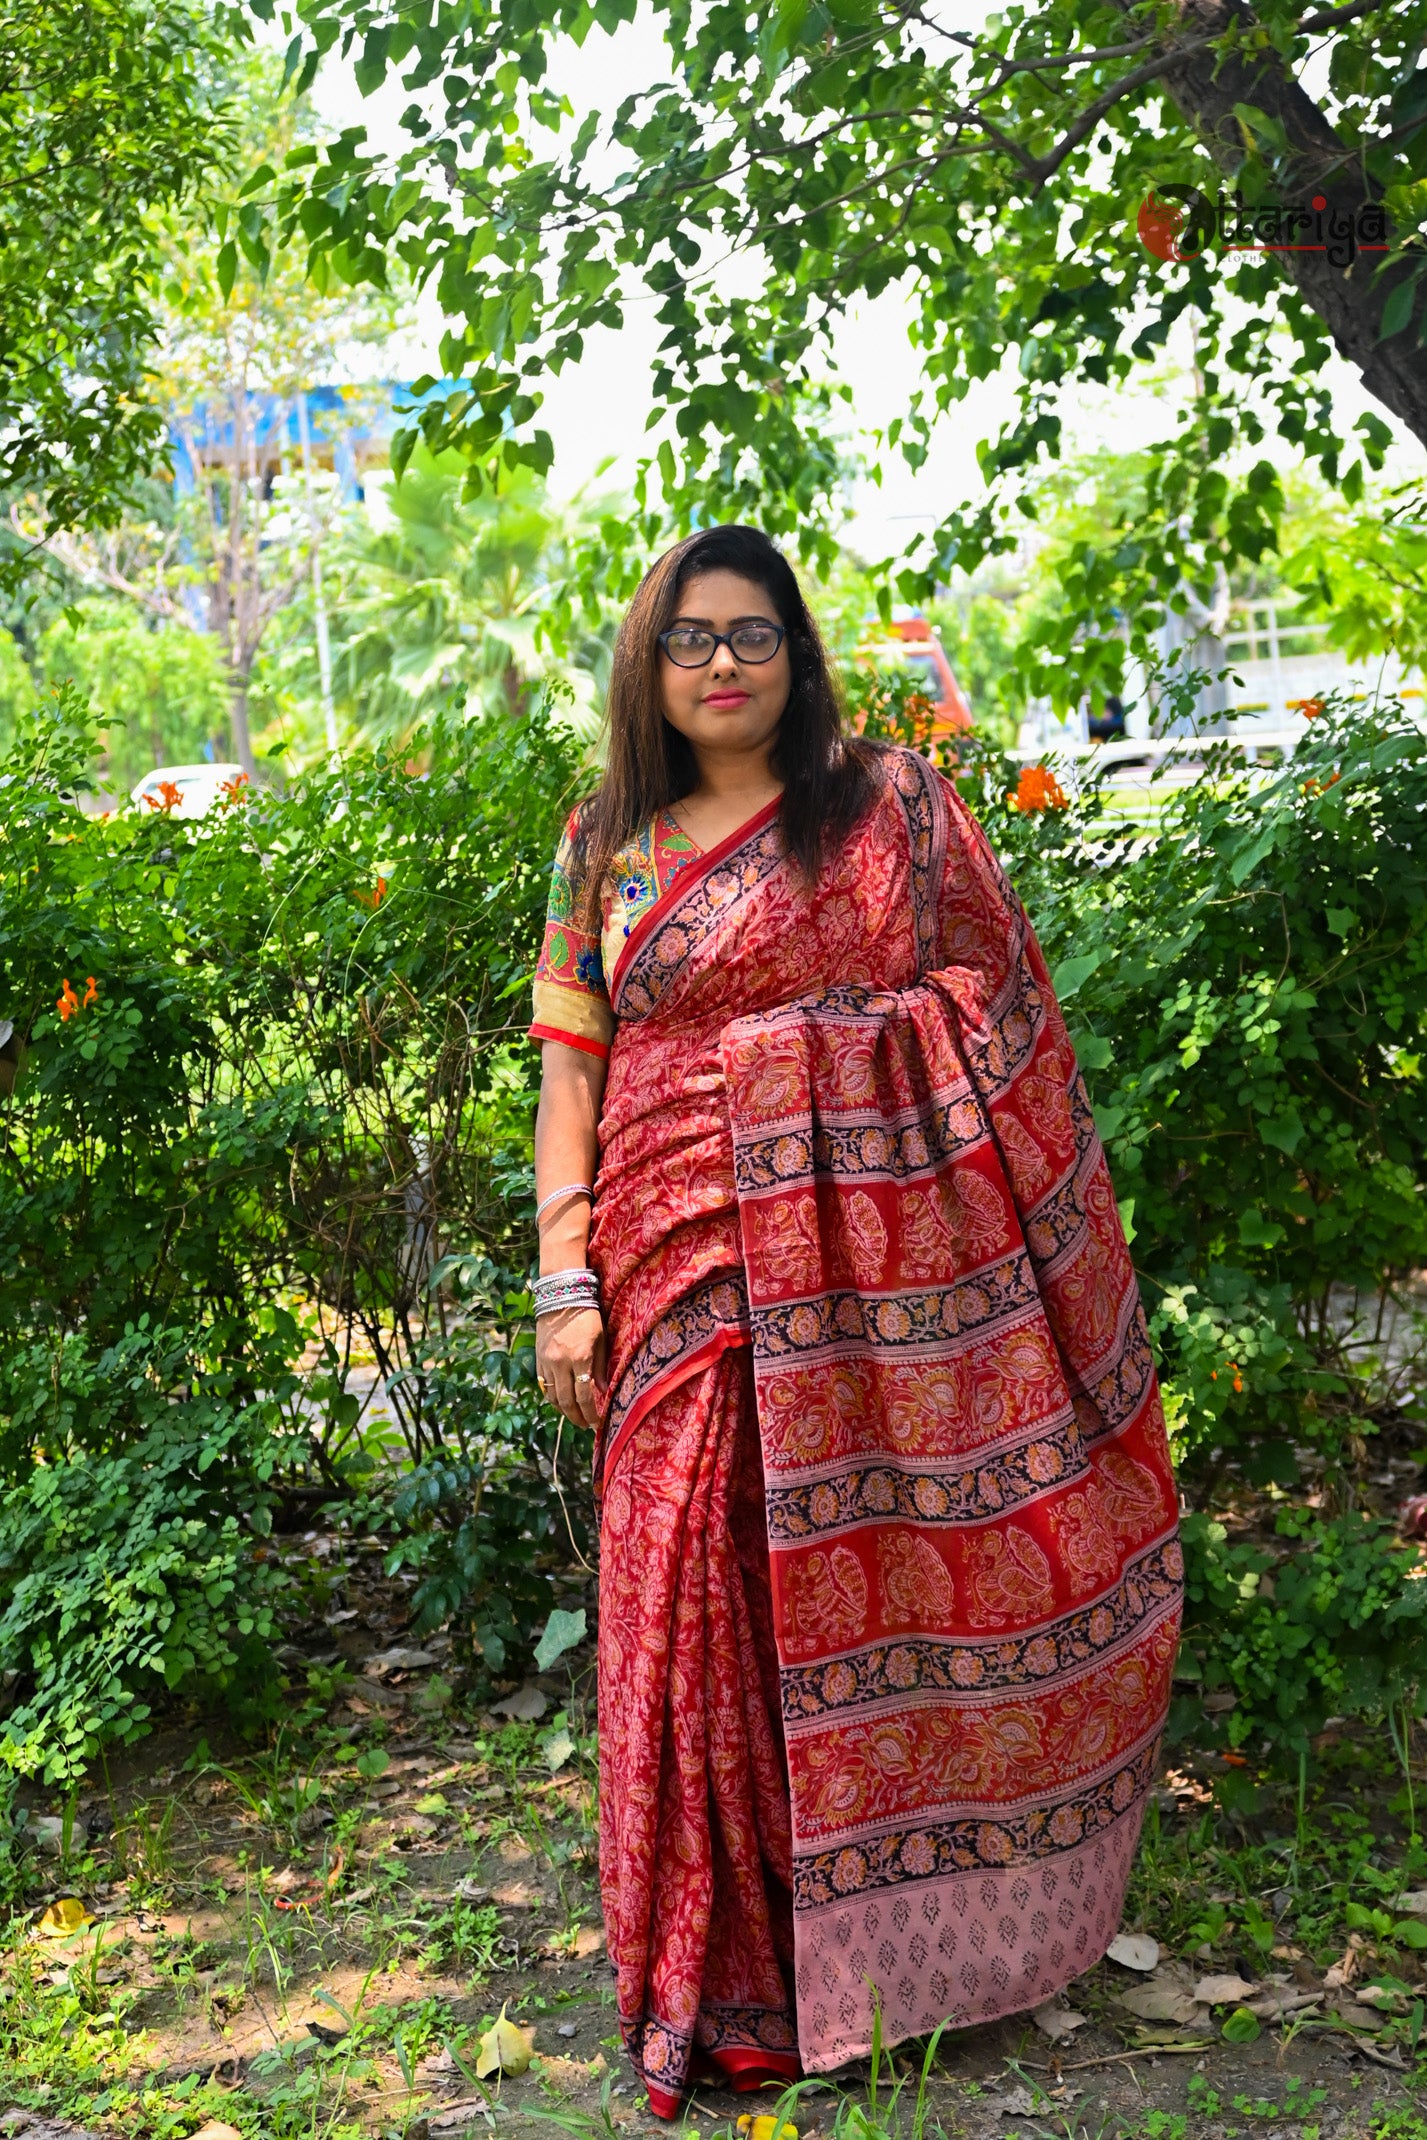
(722, 597)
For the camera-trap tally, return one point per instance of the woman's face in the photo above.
(728, 705)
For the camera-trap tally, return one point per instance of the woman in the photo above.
(889, 1579)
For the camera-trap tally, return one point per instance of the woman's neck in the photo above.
(732, 787)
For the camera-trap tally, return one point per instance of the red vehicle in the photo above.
(913, 646)
(924, 651)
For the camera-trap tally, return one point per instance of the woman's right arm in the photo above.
(570, 1345)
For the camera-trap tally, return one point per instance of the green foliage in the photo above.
(108, 114)
(1247, 992)
(126, 1563)
(293, 1084)
(1365, 571)
(993, 177)
(1326, 1619)
(156, 690)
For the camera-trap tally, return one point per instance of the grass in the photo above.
(343, 1968)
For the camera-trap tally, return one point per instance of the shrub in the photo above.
(126, 1562)
(269, 1077)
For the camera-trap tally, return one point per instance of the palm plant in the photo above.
(451, 599)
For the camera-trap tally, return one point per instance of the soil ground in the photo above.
(312, 1940)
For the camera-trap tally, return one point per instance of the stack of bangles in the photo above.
(566, 1289)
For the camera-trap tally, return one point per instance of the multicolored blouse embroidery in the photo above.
(572, 974)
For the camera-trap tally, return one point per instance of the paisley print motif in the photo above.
(889, 1580)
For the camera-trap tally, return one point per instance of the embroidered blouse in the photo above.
(573, 972)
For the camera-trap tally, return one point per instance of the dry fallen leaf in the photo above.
(1160, 2002)
(1348, 2010)
(215, 2129)
(1134, 1950)
(1057, 2021)
(1223, 1991)
(64, 1918)
(1152, 2039)
(526, 1706)
(504, 2049)
(1275, 2005)
(1414, 1904)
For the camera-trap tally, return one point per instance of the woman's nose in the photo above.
(724, 661)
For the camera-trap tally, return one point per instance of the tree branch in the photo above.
(1332, 17)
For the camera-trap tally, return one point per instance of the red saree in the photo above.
(889, 1585)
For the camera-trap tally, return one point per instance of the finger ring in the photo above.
(584, 1378)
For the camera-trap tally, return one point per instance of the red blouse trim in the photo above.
(581, 1041)
(684, 883)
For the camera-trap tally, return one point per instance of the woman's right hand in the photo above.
(570, 1362)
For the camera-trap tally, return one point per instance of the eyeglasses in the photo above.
(690, 648)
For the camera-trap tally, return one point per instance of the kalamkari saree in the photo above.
(889, 1573)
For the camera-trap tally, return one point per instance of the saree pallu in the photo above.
(890, 1580)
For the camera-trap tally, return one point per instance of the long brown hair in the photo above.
(828, 777)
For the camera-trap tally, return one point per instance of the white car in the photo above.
(197, 788)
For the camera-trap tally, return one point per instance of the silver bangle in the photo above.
(571, 1188)
(559, 1290)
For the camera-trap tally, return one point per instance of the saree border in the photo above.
(982, 1486)
(977, 1667)
(703, 1324)
(908, 1852)
(917, 784)
(689, 881)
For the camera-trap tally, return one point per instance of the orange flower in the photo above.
(1310, 708)
(91, 990)
(233, 789)
(66, 1003)
(1038, 789)
(169, 797)
(375, 896)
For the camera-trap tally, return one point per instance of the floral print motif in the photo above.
(571, 994)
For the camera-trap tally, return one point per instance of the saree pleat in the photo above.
(890, 1587)
(695, 1843)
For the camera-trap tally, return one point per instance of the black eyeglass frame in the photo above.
(724, 639)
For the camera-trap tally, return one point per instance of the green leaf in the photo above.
(1255, 1231)
(1410, 1932)
(1069, 975)
(556, 1750)
(1242, 2027)
(1285, 1132)
(1092, 1051)
(1397, 312)
(227, 268)
(403, 445)
(562, 1631)
(374, 1762)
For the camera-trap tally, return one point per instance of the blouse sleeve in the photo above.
(571, 999)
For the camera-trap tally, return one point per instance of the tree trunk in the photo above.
(238, 722)
(1206, 86)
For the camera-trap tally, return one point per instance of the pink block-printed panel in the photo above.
(962, 1949)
